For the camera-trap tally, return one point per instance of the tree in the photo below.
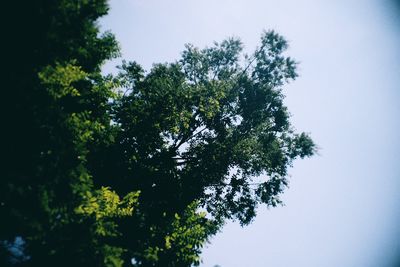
(206, 130)
(57, 113)
(141, 168)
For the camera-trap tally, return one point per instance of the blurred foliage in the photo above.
(96, 177)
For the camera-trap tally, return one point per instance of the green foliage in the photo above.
(188, 234)
(58, 80)
(94, 177)
(207, 126)
(58, 115)
(181, 239)
(104, 206)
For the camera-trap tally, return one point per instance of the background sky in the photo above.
(342, 207)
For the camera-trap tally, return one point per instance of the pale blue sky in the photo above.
(343, 207)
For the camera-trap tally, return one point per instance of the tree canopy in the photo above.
(140, 168)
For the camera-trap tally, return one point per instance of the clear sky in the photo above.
(343, 207)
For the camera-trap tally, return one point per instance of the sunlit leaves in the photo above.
(59, 79)
(105, 204)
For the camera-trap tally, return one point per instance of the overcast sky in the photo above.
(343, 206)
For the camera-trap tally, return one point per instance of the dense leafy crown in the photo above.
(141, 168)
(204, 127)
